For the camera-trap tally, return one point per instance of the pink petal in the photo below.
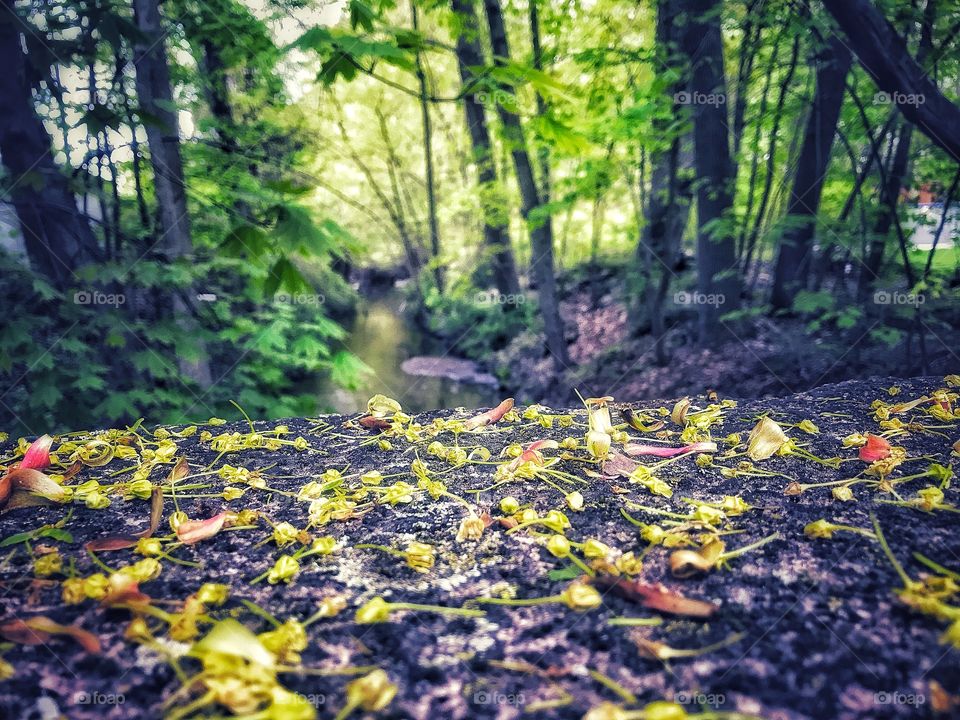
(37, 456)
(876, 449)
(667, 452)
(190, 532)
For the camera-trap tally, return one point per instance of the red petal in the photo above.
(37, 456)
(193, 531)
(876, 449)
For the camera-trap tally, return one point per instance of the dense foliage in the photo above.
(235, 163)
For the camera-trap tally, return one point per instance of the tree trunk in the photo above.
(428, 158)
(718, 278)
(796, 247)
(57, 237)
(495, 233)
(668, 206)
(163, 138)
(883, 53)
(541, 230)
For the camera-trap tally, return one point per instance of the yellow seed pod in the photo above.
(558, 546)
(148, 547)
(49, 564)
(283, 570)
(213, 593)
(593, 548)
(372, 692)
(177, 518)
(581, 597)
(509, 505)
(73, 591)
(373, 611)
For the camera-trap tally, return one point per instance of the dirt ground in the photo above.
(804, 627)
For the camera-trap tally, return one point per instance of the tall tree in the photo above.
(155, 95)
(541, 227)
(57, 237)
(495, 234)
(424, 98)
(718, 279)
(671, 194)
(796, 246)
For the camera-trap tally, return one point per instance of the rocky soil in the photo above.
(803, 628)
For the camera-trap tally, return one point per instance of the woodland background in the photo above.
(644, 198)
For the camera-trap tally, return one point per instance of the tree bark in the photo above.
(792, 269)
(883, 53)
(155, 95)
(718, 278)
(541, 229)
(57, 238)
(495, 233)
(668, 206)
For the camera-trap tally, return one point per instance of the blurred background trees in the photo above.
(278, 202)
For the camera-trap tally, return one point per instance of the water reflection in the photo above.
(383, 337)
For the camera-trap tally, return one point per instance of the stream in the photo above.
(384, 336)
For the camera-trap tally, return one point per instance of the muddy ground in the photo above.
(823, 635)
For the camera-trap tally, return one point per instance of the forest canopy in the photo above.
(197, 197)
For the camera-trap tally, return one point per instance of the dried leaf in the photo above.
(633, 421)
(72, 470)
(38, 630)
(374, 423)
(656, 597)
(190, 532)
(686, 563)
(36, 482)
(679, 412)
(490, 416)
(121, 542)
(179, 471)
(765, 439)
(619, 465)
(87, 640)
